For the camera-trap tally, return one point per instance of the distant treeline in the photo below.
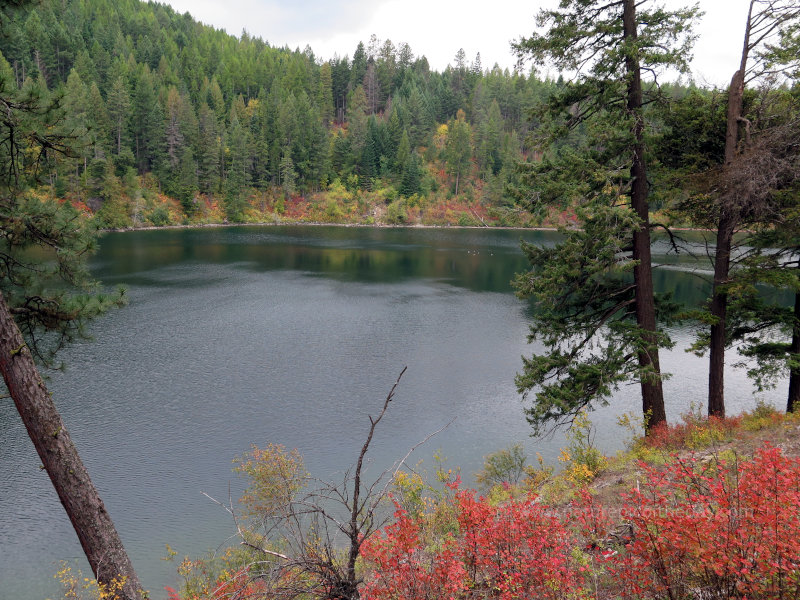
(194, 111)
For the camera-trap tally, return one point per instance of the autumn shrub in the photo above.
(694, 432)
(74, 586)
(581, 459)
(504, 551)
(227, 574)
(505, 466)
(537, 476)
(707, 528)
(762, 416)
(274, 476)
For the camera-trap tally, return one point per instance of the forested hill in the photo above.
(175, 121)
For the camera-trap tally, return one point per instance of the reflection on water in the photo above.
(290, 335)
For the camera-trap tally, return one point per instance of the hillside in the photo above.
(171, 121)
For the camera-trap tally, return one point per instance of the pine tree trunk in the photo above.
(652, 391)
(719, 310)
(96, 532)
(728, 222)
(793, 402)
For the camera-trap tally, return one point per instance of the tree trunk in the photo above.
(652, 392)
(728, 222)
(793, 401)
(719, 310)
(96, 532)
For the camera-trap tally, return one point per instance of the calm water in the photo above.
(290, 335)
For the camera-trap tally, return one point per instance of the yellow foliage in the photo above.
(275, 475)
(252, 107)
(582, 461)
(76, 587)
(440, 138)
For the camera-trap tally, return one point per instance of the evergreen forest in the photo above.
(172, 121)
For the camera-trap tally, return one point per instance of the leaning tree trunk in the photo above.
(652, 391)
(92, 523)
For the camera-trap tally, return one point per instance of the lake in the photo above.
(291, 335)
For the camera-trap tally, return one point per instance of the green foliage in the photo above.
(157, 99)
(159, 216)
(113, 214)
(396, 213)
(333, 211)
(505, 466)
(458, 148)
(597, 323)
(582, 460)
(583, 294)
(43, 243)
(766, 330)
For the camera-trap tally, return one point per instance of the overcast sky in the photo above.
(438, 28)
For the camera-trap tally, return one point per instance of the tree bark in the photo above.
(91, 521)
(652, 391)
(793, 401)
(728, 222)
(719, 310)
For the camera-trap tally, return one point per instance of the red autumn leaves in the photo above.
(700, 526)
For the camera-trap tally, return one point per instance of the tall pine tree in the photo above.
(596, 309)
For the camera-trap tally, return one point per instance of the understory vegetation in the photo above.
(704, 508)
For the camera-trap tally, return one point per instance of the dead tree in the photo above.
(308, 541)
(765, 21)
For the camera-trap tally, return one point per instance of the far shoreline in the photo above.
(321, 224)
(363, 225)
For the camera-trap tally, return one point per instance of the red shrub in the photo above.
(723, 531)
(502, 552)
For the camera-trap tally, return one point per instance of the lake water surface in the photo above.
(290, 335)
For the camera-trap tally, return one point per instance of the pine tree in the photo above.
(410, 180)
(208, 143)
(118, 106)
(458, 151)
(594, 291)
(764, 23)
(44, 304)
(325, 95)
(148, 123)
(237, 179)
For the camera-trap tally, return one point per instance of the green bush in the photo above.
(502, 467)
(396, 213)
(159, 216)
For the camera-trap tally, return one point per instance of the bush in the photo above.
(582, 460)
(704, 527)
(159, 216)
(502, 467)
(113, 214)
(694, 432)
(396, 213)
(502, 552)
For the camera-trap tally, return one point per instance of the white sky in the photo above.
(438, 28)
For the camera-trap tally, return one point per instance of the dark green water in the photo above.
(289, 335)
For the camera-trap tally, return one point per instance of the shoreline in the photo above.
(321, 224)
(364, 225)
